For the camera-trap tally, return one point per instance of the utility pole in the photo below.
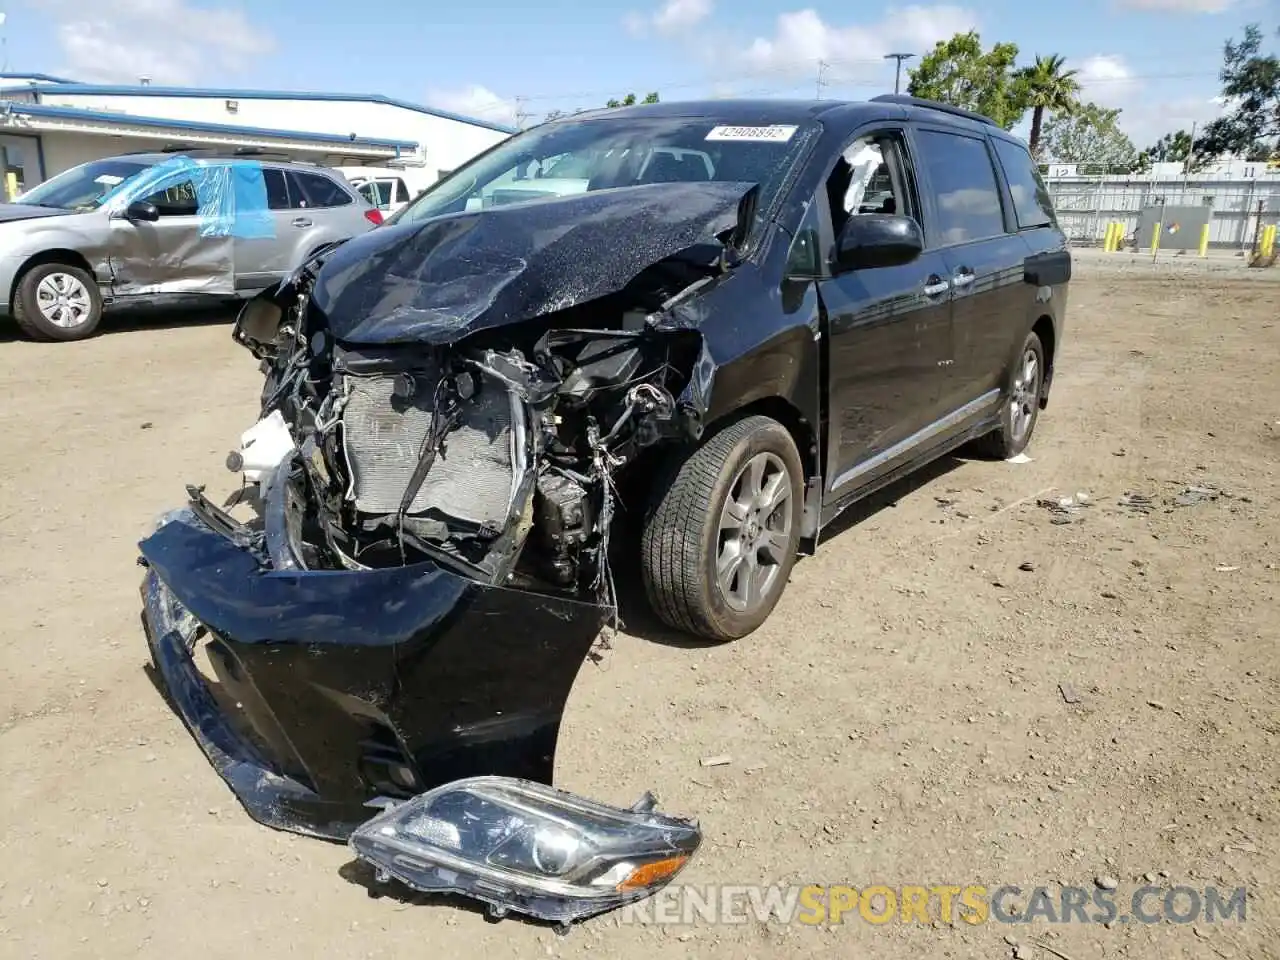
(1191, 156)
(897, 72)
(822, 77)
(522, 115)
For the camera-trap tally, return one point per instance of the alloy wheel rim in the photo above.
(754, 533)
(63, 300)
(1025, 399)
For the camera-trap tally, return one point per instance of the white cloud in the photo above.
(1104, 76)
(1180, 6)
(673, 17)
(1147, 111)
(169, 41)
(855, 52)
(476, 101)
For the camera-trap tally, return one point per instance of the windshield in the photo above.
(84, 187)
(578, 156)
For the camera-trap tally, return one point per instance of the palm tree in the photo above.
(1046, 86)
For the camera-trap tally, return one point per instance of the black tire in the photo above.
(1012, 436)
(32, 321)
(682, 538)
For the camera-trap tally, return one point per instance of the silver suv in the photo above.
(165, 229)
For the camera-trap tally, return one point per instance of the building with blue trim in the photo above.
(49, 124)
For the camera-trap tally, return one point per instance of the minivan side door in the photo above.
(888, 329)
(983, 255)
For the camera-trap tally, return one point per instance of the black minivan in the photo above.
(730, 319)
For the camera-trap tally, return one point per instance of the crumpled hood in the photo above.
(27, 211)
(442, 279)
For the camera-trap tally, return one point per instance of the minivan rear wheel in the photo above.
(1020, 408)
(57, 301)
(720, 538)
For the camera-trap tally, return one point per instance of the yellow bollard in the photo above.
(1112, 243)
(10, 186)
(1155, 239)
(1106, 238)
(1204, 240)
(1268, 245)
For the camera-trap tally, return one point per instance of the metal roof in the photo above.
(9, 107)
(71, 88)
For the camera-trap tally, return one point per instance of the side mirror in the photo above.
(871, 240)
(142, 210)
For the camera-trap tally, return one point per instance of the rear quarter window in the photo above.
(317, 190)
(1031, 202)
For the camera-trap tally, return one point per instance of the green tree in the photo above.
(1046, 87)
(1251, 88)
(1171, 148)
(960, 72)
(630, 100)
(1091, 136)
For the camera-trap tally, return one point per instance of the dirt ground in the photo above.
(899, 720)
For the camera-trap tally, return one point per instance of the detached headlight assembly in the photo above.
(525, 847)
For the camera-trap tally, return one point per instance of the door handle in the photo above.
(963, 278)
(301, 222)
(936, 287)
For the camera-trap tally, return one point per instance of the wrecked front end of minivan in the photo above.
(449, 407)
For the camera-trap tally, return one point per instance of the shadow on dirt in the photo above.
(141, 319)
(638, 617)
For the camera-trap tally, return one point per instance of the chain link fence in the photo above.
(1240, 208)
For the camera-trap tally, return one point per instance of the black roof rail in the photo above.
(903, 100)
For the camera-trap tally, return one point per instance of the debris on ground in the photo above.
(1068, 692)
(1064, 509)
(719, 760)
(1137, 502)
(1190, 496)
(1026, 566)
(1106, 882)
(1020, 458)
(1226, 569)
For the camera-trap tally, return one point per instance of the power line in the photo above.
(827, 82)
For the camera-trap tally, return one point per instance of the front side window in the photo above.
(83, 188)
(964, 186)
(872, 175)
(1031, 203)
(175, 200)
(580, 156)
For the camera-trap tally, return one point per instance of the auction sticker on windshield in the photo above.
(774, 134)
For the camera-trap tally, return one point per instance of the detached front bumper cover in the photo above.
(341, 689)
(527, 848)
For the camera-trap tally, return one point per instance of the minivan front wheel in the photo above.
(57, 301)
(720, 539)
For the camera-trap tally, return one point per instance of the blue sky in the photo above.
(1157, 59)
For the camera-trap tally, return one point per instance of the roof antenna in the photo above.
(144, 81)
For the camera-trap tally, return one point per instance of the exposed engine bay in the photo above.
(496, 455)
